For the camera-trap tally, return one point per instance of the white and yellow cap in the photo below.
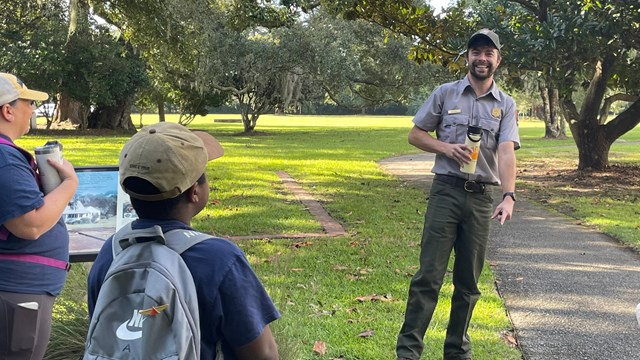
(12, 88)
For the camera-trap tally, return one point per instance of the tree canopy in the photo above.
(579, 45)
(583, 55)
(585, 44)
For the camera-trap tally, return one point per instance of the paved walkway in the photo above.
(571, 292)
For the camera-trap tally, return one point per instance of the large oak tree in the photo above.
(586, 45)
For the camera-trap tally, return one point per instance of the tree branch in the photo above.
(231, 89)
(400, 24)
(624, 122)
(604, 111)
(335, 99)
(597, 87)
(374, 101)
(527, 4)
(570, 110)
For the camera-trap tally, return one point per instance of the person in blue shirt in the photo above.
(163, 169)
(34, 243)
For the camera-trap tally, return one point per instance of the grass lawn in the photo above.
(328, 289)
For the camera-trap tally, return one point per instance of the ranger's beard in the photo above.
(485, 71)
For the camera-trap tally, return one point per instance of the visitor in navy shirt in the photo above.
(234, 308)
(34, 243)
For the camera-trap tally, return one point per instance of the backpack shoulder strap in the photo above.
(126, 237)
(178, 240)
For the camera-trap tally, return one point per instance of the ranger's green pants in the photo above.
(458, 220)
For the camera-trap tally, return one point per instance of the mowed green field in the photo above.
(330, 290)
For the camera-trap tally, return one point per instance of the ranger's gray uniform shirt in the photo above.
(452, 107)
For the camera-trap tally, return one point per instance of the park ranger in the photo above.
(460, 203)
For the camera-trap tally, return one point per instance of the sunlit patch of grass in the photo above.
(315, 282)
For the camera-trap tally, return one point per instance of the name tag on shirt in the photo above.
(454, 111)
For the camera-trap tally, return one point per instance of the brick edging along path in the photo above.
(329, 224)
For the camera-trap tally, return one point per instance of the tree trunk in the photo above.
(161, 117)
(249, 121)
(553, 129)
(591, 137)
(559, 124)
(553, 115)
(557, 119)
(72, 110)
(113, 117)
(544, 94)
(593, 146)
(563, 128)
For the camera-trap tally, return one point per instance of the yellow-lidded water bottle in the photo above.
(474, 135)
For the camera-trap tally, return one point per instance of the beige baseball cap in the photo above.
(493, 37)
(169, 156)
(12, 88)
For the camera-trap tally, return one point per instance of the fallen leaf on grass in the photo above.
(297, 269)
(319, 348)
(325, 313)
(366, 333)
(300, 244)
(406, 273)
(511, 340)
(339, 267)
(374, 297)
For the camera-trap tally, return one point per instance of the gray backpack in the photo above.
(147, 307)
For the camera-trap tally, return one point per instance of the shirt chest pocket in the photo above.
(490, 132)
(453, 128)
